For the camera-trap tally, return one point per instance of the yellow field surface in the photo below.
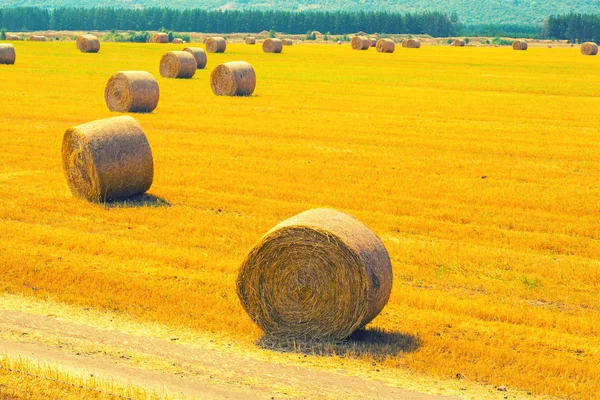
(479, 168)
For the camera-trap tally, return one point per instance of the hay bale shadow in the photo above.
(142, 200)
(372, 342)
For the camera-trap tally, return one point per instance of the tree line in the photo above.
(574, 27)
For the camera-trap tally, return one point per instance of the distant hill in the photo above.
(469, 11)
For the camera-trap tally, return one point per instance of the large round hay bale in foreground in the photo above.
(178, 64)
(131, 91)
(287, 42)
(8, 55)
(159, 37)
(321, 274)
(199, 54)
(107, 159)
(360, 43)
(385, 46)
(37, 38)
(272, 45)
(519, 45)
(88, 43)
(413, 44)
(458, 43)
(10, 36)
(250, 40)
(236, 78)
(216, 45)
(589, 49)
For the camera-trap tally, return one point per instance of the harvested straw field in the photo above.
(489, 217)
(215, 45)
(235, 78)
(519, 45)
(88, 43)
(199, 54)
(272, 45)
(360, 43)
(178, 64)
(8, 54)
(589, 49)
(131, 91)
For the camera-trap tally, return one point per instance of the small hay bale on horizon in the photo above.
(250, 40)
(159, 37)
(131, 91)
(413, 44)
(321, 274)
(11, 36)
(360, 43)
(385, 46)
(287, 42)
(373, 42)
(107, 159)
(458, 43)
(178, 64)
(519, 45)
(216, 45)
(8, 55)
(37, 38)
(272, 45)
(589, 49)
(199, 54)
(88, 43)
(235, 78)
(177, 41)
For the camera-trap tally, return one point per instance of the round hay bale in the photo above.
(458, 43)
(385, 46)
(413, 44)
(88, 43)
(321, 274)
(373, 42)
(216, 45)
(250, 40)
(10, 36)
(131, 91)
(107, 159)
(519, 45)
(37, 38)
(287, 42)
(360, 43)
(159, 37)
(589, 49)
(236, 78)
(404, 42)
(178, 64)
(8, 55)
(199, 54)
(177, 41)
(339, 42)
(272, 45)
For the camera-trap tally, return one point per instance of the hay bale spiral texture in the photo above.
(519, 45)
(216, 45)
(589, 49)
(88, 43)
(272, 45)
(236, 78)
(360, 43)
(178, 64)
(199, 54)
(159, 37)
(385, 46)
(413, 44)
(321, 274)
(250, 40)
(458, 43)
(10, 36)
(8, 56)
(131, 91)
(107, 159)
(37, 38)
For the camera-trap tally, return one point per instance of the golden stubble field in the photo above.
(479, 168)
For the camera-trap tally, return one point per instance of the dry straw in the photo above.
(37, 38)
(589, 49)
(404, 41)
(413, 44)
(88, 43)
(458, 43)
(519, 45)
(272, 45)
(287, 42)
(159, 37)
(321, 274)
(385, 46)
(131, 91)
(178, 64)
(10, 36)
(8, 55)
(107, 159)
(177, 41)
(236, 78)
(216, 45)
(360, 43)
(373, 42)
(250, 40)
(199, 54)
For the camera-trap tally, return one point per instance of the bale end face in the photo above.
(235, 78)
(131, 91)
(216, 45)
(8, 55)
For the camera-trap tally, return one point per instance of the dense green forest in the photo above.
(470, 11)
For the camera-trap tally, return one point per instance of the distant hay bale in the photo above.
(107, 159)
(177, 41)
(321, 274)
(88, 43)
(339, 42)
(37, 38)
(316, 33)
(131, 91)
(236, 78)
(385, 46)
(589, 49)
(360, 43)
(250, 40)
(8, 55)
(287, 42)
(458, 43)
(413, 44)
(519, 45)
(10, 36)
(178, 64)
(159, 37)
(404, 42)
(272, 45)
(199, 54)
(216, 45)
(373, 42)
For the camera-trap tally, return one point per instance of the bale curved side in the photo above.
(250, 40)
(236, 78)
(159, 37)
(385, 46)
(88, 43)
(272, 45)
(199, 54)
(360, 43)
(107, 159)
(178, 64)
(216, 45)
(321, 274)
(131, 91)
(589, 49)
(8, 55)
